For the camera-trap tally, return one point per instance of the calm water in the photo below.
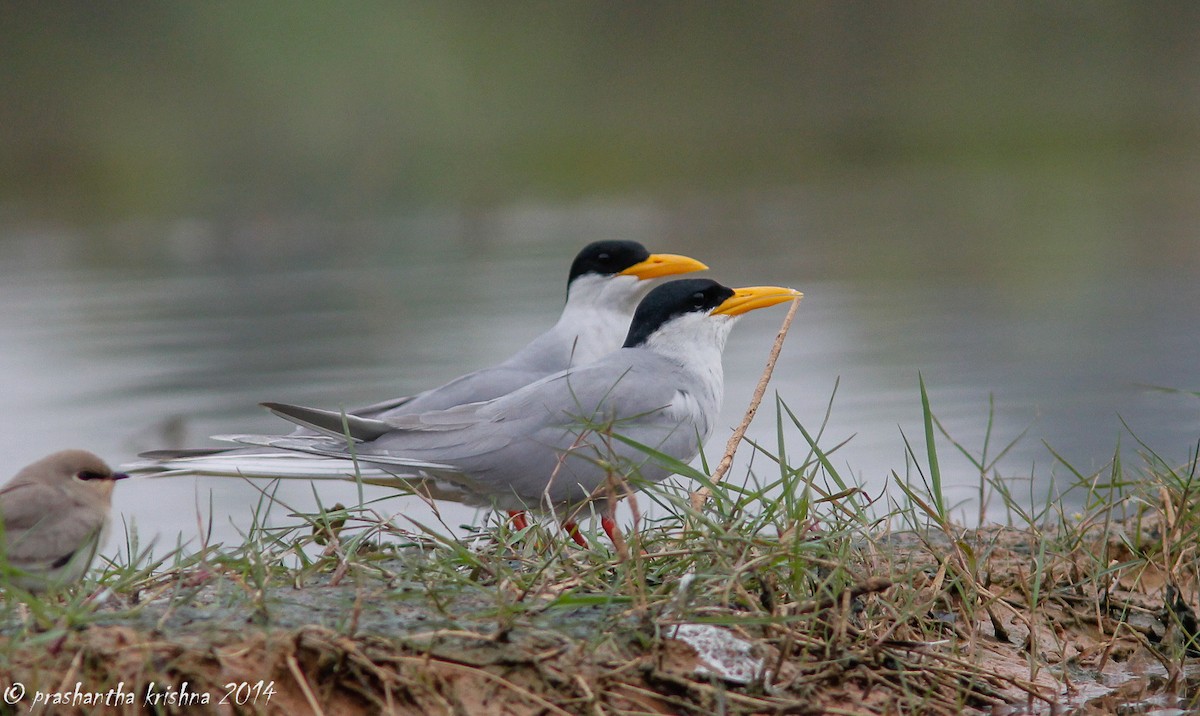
(124, 356)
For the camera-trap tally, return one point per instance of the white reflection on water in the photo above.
(111, 361)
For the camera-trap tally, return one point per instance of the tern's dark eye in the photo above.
(604, 257)
(90, 475)
(699, 300)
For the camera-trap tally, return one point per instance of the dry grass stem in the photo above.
(699, 497)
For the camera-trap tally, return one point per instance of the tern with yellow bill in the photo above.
(550, 445)
(605, 284)
(606, 281)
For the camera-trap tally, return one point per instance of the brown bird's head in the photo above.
(78, 468)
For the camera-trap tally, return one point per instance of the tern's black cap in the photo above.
(607, 258)
(671, 300)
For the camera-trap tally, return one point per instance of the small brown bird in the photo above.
(53, 518)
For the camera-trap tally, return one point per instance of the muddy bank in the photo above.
(382, 635)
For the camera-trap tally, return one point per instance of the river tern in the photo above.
(606, 281)
(605, 284)
(553, 444)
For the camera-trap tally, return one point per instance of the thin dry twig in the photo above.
(298, 675)
(699, 496)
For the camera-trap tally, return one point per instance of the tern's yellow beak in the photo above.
(748, 299)
(659, 265)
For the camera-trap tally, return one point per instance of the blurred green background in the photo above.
(1039, 133)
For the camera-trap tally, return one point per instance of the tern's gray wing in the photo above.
(552, 437)
(329, 422)
(377, 409)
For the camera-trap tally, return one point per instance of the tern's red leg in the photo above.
(573, 530)
(610, 527)
(517, 518)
